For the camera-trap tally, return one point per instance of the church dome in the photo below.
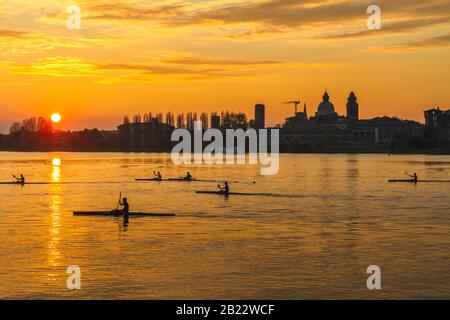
(325, 107)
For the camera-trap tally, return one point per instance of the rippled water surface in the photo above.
(332, 217)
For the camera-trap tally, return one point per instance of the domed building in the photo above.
(325, 107)
(326, 115)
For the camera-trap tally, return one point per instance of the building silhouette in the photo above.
(303, 115)
(325, 108)
(328, 127)
(437, 123)
(150, 134)
(260, 116)
(326, 113)
(386, 130)
(352, 109)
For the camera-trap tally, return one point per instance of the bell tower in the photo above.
(352, 108)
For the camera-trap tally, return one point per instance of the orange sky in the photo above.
(136, 56)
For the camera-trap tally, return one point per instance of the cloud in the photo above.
(56, 67)
(122, 11)
(433, 42)
(253, 19)
(154, 69)
(313, 18)
(18, 42)
(13, 34)
(186, 68)
(391, 28)
(296, 13)
(258, 31)
(201, 61)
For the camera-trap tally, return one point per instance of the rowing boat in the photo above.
(118, 214)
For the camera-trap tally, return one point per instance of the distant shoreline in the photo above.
(382, 149)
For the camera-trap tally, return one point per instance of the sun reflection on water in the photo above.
(55, 192)
(56, 162)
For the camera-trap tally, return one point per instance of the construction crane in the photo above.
(296, 103)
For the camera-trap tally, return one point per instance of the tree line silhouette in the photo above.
(38, 133)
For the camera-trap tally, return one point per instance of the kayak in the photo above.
(183, 180)
(227, 194)
(14, 183)
(165, 180)
(21, 184)
(118, 214)
(428, 181)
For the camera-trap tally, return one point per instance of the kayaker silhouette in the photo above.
(188, 177)
(20, 180)
(158, 176)
(414, 176)
(125, 211)
(225, 189)
(125, 205)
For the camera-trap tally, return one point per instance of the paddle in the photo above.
(17, 179)
(118, 203)
(412, 176)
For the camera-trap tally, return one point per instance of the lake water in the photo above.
(334, 216)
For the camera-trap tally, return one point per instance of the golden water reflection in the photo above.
(55, 191)
(339, 216)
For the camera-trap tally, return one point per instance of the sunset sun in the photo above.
(56, 118)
